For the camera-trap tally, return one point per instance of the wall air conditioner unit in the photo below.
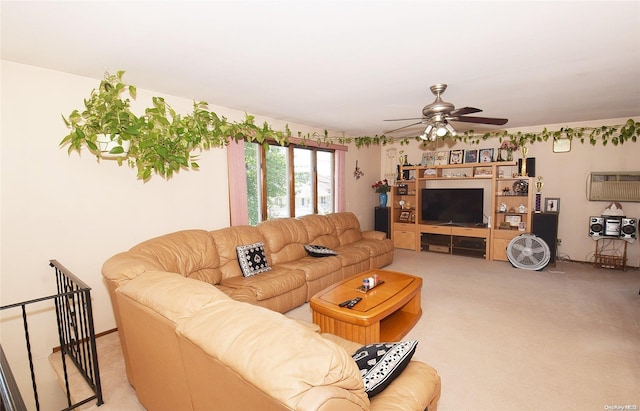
(614, 186)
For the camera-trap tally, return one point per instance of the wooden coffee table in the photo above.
(385, 314)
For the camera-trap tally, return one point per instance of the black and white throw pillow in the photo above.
(252, 259)
(381, 363)
(319, 250)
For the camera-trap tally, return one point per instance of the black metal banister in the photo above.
(10, 398)
(75, 332)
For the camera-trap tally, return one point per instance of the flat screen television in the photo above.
(452, 205)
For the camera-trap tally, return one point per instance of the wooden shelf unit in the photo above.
(455, 239)
(403, 233)
(500, 237)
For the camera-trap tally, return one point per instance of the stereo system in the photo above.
(613, 227)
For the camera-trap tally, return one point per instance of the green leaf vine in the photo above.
(163, 142)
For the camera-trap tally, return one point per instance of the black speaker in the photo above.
(629, 228)
(596, 227)
(545, 226)
(531, 166)
(383, 220)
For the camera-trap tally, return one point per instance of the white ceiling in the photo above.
(346, 65)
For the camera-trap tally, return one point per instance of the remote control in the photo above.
(354, 302)
(344, 303)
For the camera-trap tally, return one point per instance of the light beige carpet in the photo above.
(566, 338)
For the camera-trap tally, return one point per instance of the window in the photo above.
(288, 181)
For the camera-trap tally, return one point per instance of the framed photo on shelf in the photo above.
(551, 205)
(486, 155)
(456, 157)
(482, 171)
(471, 156)
(442, 158)
(514, 220)
(428, 158)
(405, 216)
(522, 226)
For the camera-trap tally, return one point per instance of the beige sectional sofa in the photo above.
(192, 347)
(211, 256)
(190, 341)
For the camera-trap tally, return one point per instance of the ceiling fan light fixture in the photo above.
(441, 130)
(451, 130)
(428, 129)
(427, 133)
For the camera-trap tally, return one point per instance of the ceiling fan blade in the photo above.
(464, 110)
(403, 127)
(479, 120)
(405, 119)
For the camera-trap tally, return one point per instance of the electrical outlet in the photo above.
(559, 242)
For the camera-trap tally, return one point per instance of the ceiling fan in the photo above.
(438, 114)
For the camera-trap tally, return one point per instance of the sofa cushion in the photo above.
(191, 253)
(226, 241)
(269, 284)
(152, 288)
(320, 230)
(381, 363)
(315, 250)
(347, 227)
(252, 259)
(284, 237)
(315, 268)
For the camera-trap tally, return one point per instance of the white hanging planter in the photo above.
(106, 145)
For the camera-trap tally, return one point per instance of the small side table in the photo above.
(615, 262)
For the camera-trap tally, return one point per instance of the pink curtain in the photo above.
(237, 183)
(341, 198)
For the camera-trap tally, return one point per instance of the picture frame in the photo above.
(551, 205)
(404, 216)
(522, 226)
(456, 156)
(442, 158)
(514, 220)
(471, 156)
(428, 158)
(561, 145)
(486, 155)
(482, 172)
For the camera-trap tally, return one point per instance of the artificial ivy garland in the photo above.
(616, 134)
(163, 142)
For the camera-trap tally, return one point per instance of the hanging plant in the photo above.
(161, 141)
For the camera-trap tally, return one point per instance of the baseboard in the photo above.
(56, 349)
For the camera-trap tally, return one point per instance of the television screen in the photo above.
(452, 205)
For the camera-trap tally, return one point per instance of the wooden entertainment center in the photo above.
(510, 201)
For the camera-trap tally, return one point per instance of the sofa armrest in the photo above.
(374, 235)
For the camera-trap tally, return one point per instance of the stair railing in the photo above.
(76, 335)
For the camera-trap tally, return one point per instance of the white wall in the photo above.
(79, 212)
(565, 176)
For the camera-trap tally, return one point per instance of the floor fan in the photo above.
(529, 252)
